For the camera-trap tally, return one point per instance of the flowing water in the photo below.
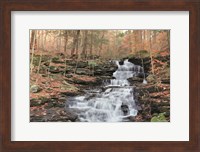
(114, 103)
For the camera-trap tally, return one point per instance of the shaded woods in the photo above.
(65, 63)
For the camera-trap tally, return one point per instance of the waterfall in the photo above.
(114, 104)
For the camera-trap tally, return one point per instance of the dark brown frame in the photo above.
(6, 6)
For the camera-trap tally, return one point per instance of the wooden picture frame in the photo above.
(193, 6)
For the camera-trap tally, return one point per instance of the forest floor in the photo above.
(59, 79)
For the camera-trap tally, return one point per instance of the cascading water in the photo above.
(114, 104)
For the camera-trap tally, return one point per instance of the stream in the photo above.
(112, 102)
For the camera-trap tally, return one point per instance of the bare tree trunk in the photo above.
(151, 56)
(37, 37)
(32, 55)
(44, 49)
(101, 44)
(154, 36)
(135, 42)
(60, 40)
(66, 40)
(130, 42)
(91, 42)
(77, 44)
(168, 39)
(76, 35)
(45, 40)
(32, 38)
(84, 53)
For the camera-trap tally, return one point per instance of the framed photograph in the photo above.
(91, 75)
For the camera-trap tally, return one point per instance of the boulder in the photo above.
(82, 71)
(69, 75)
(82, 64)
(121, 62)
(70, 114)
(99, 71)
(35, 89)
(54, 69)
(125, 109)
(151, 78)
(132, 80)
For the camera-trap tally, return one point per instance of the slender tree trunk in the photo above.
(76, 35)
(32, 38)
(101, 44)
(44, 41)
(60, 40)
(154, 36)
(66, 40)
(77, 44)
(168, 39)
(84, 51)
(151, 56)
(37, 37)
(32, 55)
(135, 42)
(91, 42)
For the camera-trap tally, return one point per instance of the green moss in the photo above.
(92, 63)
(55, 59)
(68, 87)
(159, 118)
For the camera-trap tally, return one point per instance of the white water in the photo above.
(106, 106)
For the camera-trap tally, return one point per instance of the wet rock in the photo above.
(35, 89)
(141, 75)
(70, 114)
(125, 108)
(134, 79)
(138, 61)
(90, 96)
(70, 93)
(62, 99)
(69, 103)
(105, 69)
(121, 62)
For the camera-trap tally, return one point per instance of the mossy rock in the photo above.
(54, 59)
(82, 64)
(35, 89)
(92, 63)
(159, 118)
(151, 78)
(36, 60)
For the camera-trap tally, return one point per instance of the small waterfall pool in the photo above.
(114, 103)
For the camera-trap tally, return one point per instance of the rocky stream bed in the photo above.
(66, 85)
